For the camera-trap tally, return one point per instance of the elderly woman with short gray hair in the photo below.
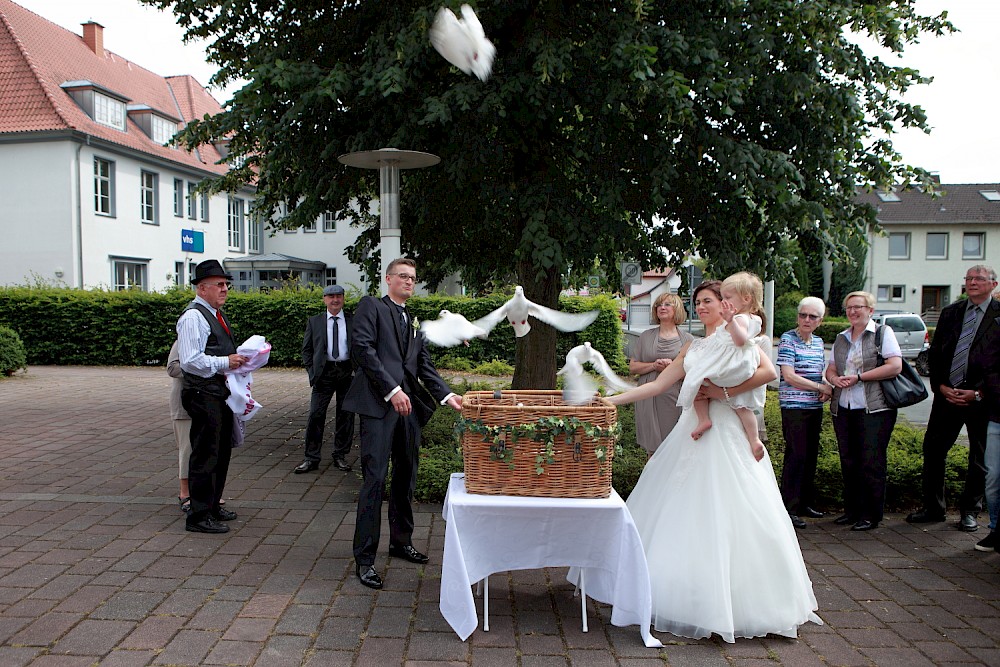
(801, 394)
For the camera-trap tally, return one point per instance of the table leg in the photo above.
(583, 600)
(486, 604)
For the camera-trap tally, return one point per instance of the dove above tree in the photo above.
(462, 42)
(578, 387)
(450, 329)
(518, 308)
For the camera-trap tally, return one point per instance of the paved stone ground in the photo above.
(96, 568)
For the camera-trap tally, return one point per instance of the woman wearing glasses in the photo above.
(801, 394)
(861, 419)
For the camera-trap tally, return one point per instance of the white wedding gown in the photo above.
(723, 556)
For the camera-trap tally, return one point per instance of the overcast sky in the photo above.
(961, 103)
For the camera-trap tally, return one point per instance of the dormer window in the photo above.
(162, 129)
(108, 111)
(157, 125)
(104, 106)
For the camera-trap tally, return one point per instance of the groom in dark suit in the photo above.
(326, 354)
(395, 392)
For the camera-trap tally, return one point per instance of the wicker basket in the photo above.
(576, 472)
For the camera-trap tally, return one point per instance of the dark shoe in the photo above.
(185, 504)
(369, 577)
(408, 553)
(865, 524)
(844, 519)
(968, 523)
(340, 464)
(812, 514)
(924, 516)
(306, 466)
(988, 543)
(207, 525)
(797, 522)
(222, 514)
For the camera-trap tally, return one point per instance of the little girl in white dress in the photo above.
(730, 357)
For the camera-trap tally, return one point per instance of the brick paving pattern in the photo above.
(96, 568)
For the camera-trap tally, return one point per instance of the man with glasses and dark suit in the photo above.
(957, 358)
(395, 392)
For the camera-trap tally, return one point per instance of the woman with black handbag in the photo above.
(862, 419)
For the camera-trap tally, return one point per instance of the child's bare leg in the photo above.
(749, 420)
(704, 421)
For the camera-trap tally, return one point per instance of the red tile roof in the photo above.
(960, 203)
(37, 56)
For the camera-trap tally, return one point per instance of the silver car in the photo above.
(911, 333)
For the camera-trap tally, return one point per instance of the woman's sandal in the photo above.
(185, 504)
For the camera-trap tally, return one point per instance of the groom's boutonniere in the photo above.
(416, 326)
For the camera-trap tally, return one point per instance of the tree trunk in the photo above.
(535, 355)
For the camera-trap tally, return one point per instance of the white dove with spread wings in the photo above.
(462, 42)
(578, 387)
(450, 329)
(518, 308)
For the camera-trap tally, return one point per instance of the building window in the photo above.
(178, 198)
(891, 293)
(161, 129)
(129, 274)
(178, 273)
(309, 226)
(888, 196)
(236, 214)
(254, 233)
(331, 276)
(192, 202)
(899, 245)
(329, 222)
(108, 111)
(204, 207)
(937, 245)
(104, 187)
(191, 266)
(974, 245)
(147, 197)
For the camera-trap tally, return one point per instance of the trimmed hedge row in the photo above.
(91, 327)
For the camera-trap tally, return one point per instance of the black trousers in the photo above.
(211, 450)
(334, 381)
(395, 439)
(863, 439)
(943, 427)
(801, 428)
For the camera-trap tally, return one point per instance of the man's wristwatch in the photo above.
(978, 395)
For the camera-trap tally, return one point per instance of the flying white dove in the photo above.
(450, 329)
(518, 308)
(578, 386)
(462, 42)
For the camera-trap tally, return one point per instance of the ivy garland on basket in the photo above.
(545, 430)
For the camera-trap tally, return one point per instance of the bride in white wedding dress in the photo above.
(723, 555)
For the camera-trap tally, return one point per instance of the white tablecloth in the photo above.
(488, 534)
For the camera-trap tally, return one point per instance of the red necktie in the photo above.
(218, 314)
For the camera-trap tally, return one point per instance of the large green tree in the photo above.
(644, 130)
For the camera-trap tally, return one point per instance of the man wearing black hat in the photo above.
(207, 348)
(326, 352)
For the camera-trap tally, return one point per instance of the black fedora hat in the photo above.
(208, 269)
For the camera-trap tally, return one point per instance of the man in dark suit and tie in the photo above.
(958, 360)
(390, 394)
(326, 354)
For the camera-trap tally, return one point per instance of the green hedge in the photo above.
(440, 457)
(131, 328)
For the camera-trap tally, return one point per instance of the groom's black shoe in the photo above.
(797, 522)
(408, 553)
(369, 577)
(844, 519)
(865, 524)
(811, 513)
(925, 516)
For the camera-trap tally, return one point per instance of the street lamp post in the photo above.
(389, 161)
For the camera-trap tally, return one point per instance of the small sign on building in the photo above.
(192, 241)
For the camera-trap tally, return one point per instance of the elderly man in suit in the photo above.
(958, 361)
(390, 393)
(326, 356)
